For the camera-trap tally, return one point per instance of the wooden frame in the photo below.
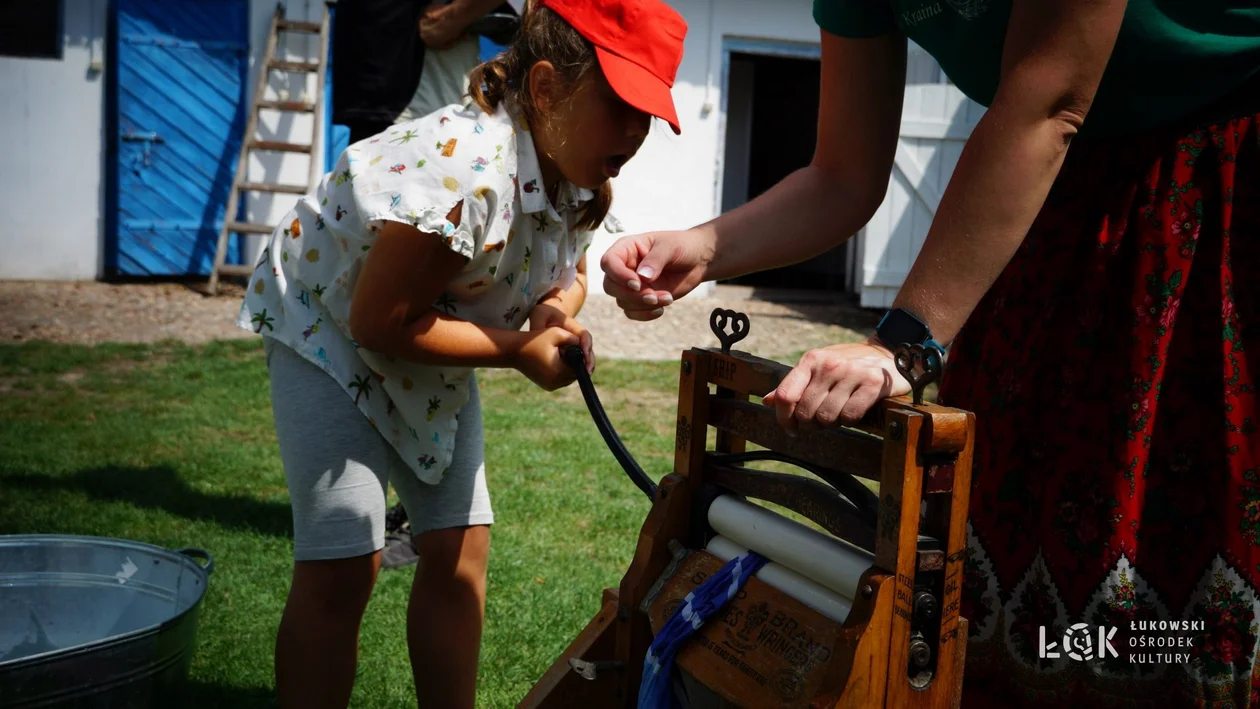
(903, 643)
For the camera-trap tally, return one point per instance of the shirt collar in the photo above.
(530, 181)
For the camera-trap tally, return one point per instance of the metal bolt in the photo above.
(925, 606)
(686, 367)
(622, 613)
(867, 591)
(920, 653)
(894, 430)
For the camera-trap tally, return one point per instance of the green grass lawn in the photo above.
(173, 445)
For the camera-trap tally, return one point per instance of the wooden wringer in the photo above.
(865, 616)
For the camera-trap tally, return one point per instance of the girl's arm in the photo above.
(560, 309)
(570, 300)
(392, 314)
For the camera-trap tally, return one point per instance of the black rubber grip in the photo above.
(572, 355)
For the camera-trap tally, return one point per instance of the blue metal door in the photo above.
(179, 108)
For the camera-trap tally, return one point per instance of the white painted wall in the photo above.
(287, 168)
(672, 182)
(676, 181)
(53, 117)
(51, 134)
(53, 124)
(936, 121)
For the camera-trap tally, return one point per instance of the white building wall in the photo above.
(52, 223)
(284, 127)
(52, 123)
(672, 182)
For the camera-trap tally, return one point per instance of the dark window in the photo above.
(30, 28)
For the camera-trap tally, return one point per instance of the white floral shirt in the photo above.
(519, 247)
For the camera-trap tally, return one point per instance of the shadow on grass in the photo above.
(163, 489)
(198, 693)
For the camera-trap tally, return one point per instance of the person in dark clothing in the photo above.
(377, 60)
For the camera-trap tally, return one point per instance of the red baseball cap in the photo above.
(639, 44)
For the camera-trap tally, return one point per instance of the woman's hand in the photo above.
(548, 314)
(539, 358)
(441, 26)
(837, 383)
(647, 272)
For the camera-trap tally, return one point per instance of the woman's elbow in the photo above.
(862, 190)
(1057, 105)
(1068, 117)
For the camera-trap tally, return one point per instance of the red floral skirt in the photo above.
(1112, 369)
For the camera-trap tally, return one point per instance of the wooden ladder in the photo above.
(251, 143)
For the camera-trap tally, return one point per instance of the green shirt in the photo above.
(1171, 59)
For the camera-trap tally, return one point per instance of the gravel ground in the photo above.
(89, 312)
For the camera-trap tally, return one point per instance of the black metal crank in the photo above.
(572, 356)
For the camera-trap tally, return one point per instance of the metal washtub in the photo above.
(96, 622)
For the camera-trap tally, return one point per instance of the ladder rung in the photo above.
(295, 106)
(236, 269)
(293, 66)
(269, 187)
(293, 26)
(275, 147)
(246, 228)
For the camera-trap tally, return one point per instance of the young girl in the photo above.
(417, 260)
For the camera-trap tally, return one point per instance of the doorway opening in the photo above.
(771, 128)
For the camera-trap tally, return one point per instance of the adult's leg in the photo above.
(336, 466)
(446, 612)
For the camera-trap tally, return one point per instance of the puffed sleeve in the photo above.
(416, 174)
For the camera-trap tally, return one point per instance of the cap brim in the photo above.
(639, 87)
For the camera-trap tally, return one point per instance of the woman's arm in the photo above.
(810, 211)
(442, 25)
(391, 313)
(1055, 54)
(1054, 58)
(831, 199)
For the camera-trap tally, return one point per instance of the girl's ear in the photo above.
(544, 85)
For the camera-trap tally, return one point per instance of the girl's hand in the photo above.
(646, 272)
(539, 358)
(545, 315)
(837, 383)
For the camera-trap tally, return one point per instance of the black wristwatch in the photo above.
(902, 327)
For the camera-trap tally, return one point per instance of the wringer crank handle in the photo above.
(905, 355)
(718, 320)
(905, 358)
(572, 356)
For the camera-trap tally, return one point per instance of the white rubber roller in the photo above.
(829, 603)
(819, 557)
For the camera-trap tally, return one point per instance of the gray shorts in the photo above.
(338, 467)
